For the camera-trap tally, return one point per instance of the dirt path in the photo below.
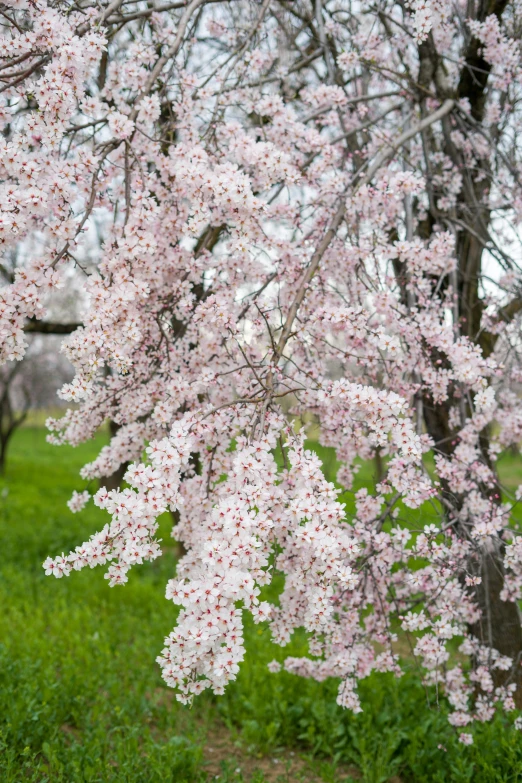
(281, 766)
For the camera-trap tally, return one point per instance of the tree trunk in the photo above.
(4, 442)
(115, 480)
(500, 625)
(380, 469)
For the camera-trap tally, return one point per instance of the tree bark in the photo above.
(500, 626)
(115, 480)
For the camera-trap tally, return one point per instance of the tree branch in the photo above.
(50, 327)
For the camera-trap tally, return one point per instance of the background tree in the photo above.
(12, 415)
(31, 384)
(34, 382)
(277, 189)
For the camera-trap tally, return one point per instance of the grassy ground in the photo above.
(81, 699)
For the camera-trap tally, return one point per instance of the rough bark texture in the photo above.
(500, 626)
(115, 480)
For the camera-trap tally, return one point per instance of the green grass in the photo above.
(81, 698)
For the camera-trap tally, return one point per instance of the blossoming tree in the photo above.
(303, 207)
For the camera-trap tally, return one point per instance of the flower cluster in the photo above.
(274, 233)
